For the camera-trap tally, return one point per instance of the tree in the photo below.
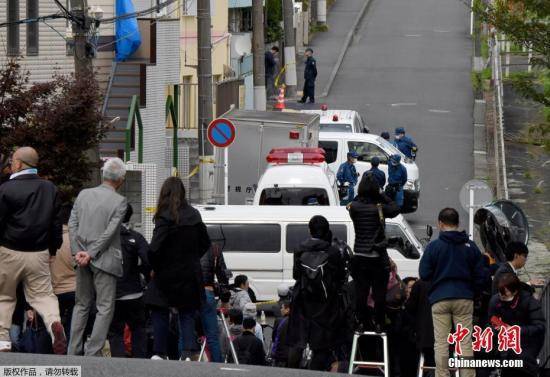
(525, 23)
(61, 119)
(274, 10)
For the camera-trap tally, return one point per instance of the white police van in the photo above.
(297, 176)
(339, 120)
(258, 241)
(337, 145)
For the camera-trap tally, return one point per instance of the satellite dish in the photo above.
(499, 224)
(241, 44)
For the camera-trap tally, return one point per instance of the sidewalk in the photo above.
(327, 46)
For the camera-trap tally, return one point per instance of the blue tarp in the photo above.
(127, 33)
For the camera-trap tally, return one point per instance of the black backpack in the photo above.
(316, 280)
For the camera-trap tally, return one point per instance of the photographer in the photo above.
(370, 266)
(319, 271)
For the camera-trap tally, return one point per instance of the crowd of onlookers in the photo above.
(79, 280)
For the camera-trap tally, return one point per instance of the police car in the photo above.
(339, 120)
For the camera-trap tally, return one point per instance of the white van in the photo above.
(349, 121)
(258, 241)
(338, 144)
(297, 176)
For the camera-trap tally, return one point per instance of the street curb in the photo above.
(344, 49)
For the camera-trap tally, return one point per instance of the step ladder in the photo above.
(353, 362)
(422, 368)
(203, 356)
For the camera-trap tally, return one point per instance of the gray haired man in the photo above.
(94, 230)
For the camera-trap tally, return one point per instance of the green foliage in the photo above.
(274, 10)
(61, 119)
(486, 74)
(318, 28)
(525, 23)
(484, 47)
(476, 81)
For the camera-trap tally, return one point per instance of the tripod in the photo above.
(203, 356)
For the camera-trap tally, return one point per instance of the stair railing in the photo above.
(109, 86)
(134, 115)
(172, 112)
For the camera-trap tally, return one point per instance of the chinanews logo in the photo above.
(507, 339)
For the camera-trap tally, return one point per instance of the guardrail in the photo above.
(500, 154)
(134, 115)
(545, 302)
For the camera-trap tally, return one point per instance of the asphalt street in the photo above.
(409, 65)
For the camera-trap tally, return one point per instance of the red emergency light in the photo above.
(335, 118)
(294, 135)
(324, 107)
(296, 155)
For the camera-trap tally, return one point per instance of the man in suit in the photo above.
(94, 231)
(30, 234)
(516, 256)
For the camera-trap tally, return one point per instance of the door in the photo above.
(366, 152)
(253, 250)
(406, 266)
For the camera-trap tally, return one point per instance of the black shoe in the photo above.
(301, 101)
(312, 101)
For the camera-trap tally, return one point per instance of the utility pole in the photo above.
(204, 71)
(258, 44)
(291, 80)
(83, 53)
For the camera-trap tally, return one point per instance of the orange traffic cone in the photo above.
(280, 105)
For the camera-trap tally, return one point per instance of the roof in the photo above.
(295, 174)
(270, 116)
(277, 213)
(344, 116)
(350, 136)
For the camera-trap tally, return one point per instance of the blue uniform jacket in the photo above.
(347, 173)
(405, 145)
(397, 175)
(379, 175)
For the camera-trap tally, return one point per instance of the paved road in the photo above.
(109, 367)
(409, 65)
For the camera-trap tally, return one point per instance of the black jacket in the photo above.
(310, 72)
(526, 312)
(175, 253)
(318, 323)
(419, 312)
(213, 265)
(366, 221)
(30, 215)
(134, 249)
(280, 348)
(270, 64)
(249, 349)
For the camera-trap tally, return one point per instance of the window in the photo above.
(32, 28)
(13, 29)
(394, 230)
(367, 151)
(331, 149)
(252, 238)
(296, 233)
(336, 127)
(294, 196)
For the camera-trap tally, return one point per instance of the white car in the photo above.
(259, 241)
(340, 120)
(338, 144)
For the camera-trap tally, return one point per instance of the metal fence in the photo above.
(500, 155)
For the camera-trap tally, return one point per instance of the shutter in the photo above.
(32, 28)
(13, 29)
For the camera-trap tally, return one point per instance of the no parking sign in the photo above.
(221, 133)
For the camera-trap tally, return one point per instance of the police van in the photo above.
(297, 176)
(339, 120)
(259, 241)
(337, 145)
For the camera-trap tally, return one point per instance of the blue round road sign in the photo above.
(221, 133)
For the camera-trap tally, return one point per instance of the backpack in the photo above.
(316, 280)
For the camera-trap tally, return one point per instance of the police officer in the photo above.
(347, 174)
(404, 143)
(310, 74)
(397, 177)
(378, 174)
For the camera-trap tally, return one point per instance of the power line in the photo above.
(156, 9)
(31, 20)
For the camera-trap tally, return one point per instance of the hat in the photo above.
(283, 290)
(353, 154)
(395, 159)
(399, 130)
(250, 310)
(375, 161)
(385, 135)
